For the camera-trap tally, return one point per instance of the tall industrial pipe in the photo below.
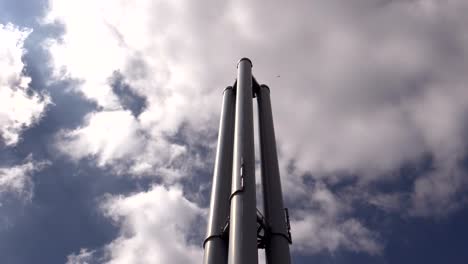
(277, 244)
(243, 217)
(216, 244)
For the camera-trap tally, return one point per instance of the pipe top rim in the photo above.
(228, 88)
(265, 86)
(246, 59)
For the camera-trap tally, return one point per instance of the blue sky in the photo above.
(109, 114)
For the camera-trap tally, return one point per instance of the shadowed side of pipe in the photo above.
(216, 245)
(243, 216)
(277, 246)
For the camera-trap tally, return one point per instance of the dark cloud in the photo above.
(128, 98)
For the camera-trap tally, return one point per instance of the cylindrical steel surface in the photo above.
(243, 217)
(277, 246)
(216, 247)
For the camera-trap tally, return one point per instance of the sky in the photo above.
(109, 114)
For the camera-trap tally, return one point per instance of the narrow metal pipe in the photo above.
(277, 246)
(216, 244)
(243, 216)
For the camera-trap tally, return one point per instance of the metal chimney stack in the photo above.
(236, 229)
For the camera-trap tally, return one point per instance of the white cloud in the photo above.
(439, 192)
(377, 95)
(325, 225)
(84, 257)
(388, 202)
(110, 135)
(16, 180)
(170, 86)
(120, 141)
(19, 108)
(155, 227)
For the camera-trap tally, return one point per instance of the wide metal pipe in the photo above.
(277, 246)
(216, 245)
(243, 217)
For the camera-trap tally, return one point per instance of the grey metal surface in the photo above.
(243, 217)
(277, 246)
(216, 247)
